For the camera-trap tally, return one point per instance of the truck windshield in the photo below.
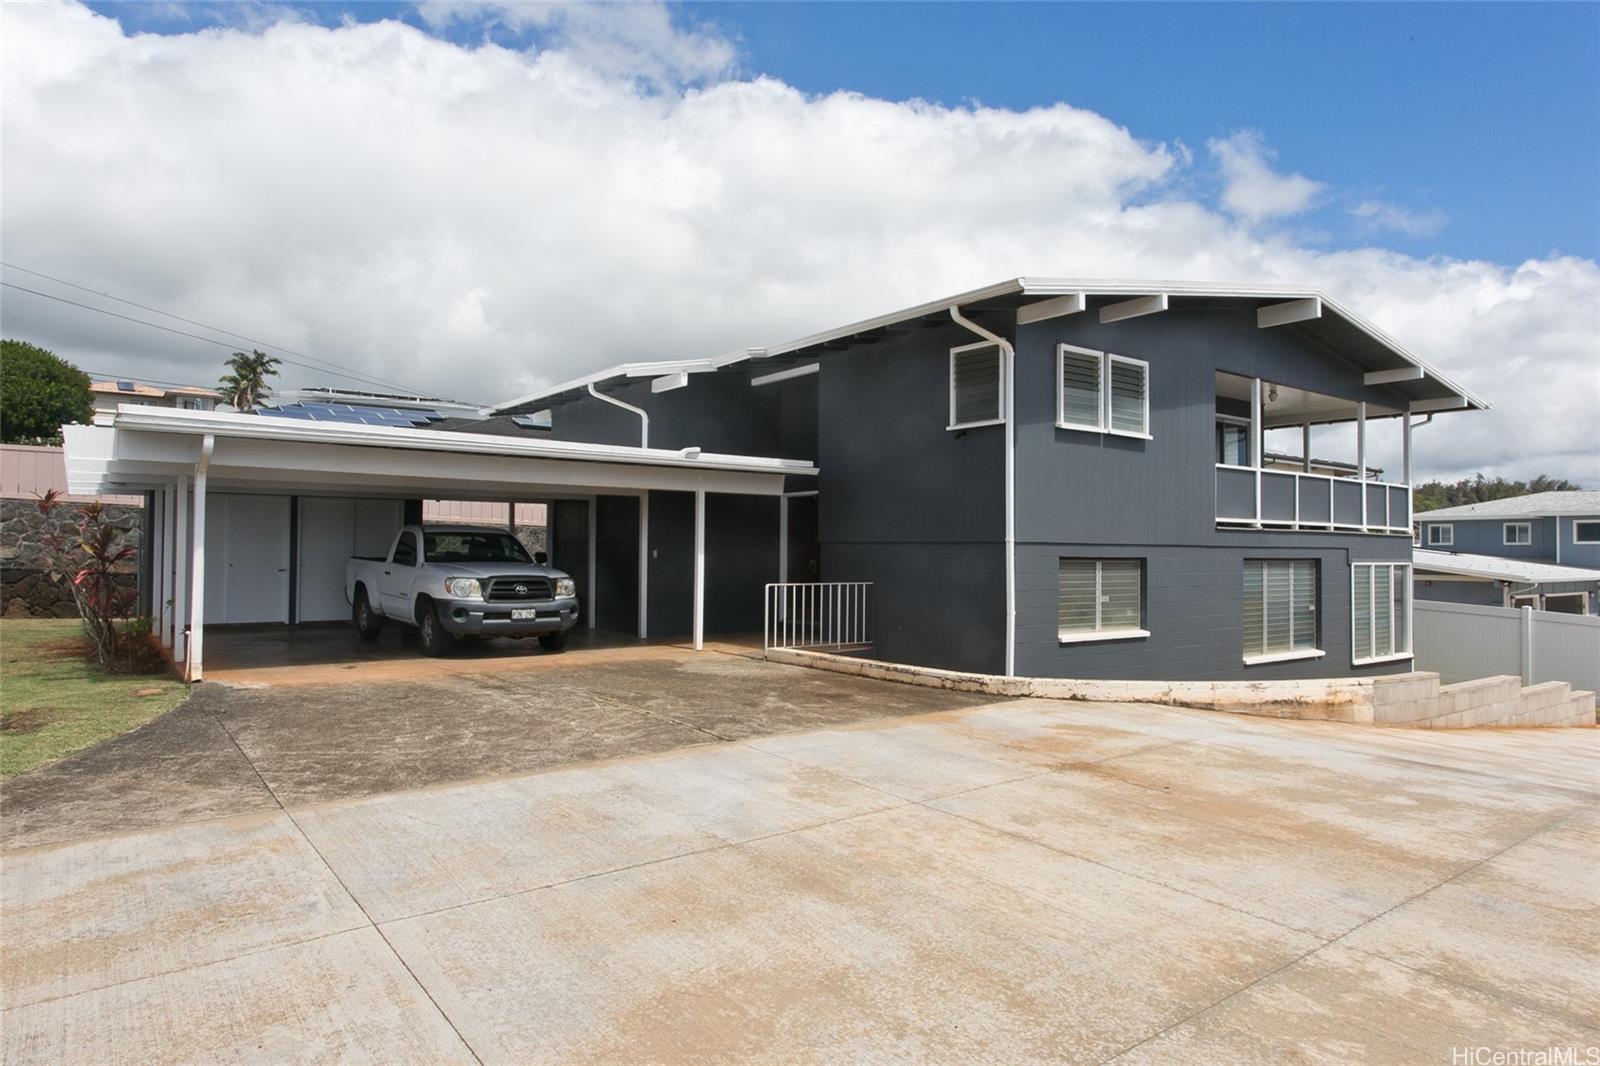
(467, 547)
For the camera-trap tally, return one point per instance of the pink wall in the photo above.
(28, 471)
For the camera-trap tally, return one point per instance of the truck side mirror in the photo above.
(541, 558)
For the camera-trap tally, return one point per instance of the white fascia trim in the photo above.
(1063, 637)
(785, 375)
(173, 420)
(1284, 656)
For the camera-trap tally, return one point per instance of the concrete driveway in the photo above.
(1017, 882)
(317, 732)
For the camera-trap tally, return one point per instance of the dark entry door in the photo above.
(805, 560)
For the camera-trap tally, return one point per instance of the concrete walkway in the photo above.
(1018, 882)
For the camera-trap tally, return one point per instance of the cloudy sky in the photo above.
(477, 200)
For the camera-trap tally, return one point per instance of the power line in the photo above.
(209, 340)
(195, 322)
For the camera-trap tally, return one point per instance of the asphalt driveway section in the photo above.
(1029, 881)
(232, 750)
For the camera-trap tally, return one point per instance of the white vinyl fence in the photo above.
(826, 615)
(1462, 641)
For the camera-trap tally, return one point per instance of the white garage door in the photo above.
(247, 558)
(331, 530)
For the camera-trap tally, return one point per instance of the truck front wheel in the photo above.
(368, 623)
(435, 640)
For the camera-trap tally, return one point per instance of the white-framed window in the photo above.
(1102, 392)
(977, 385)
(1380, 612)
(1101, 599)
(1441, 536)
(1587, 532)
(1280, 610)
(1517, 533)
(1233, 440)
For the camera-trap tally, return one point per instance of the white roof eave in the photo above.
(226, 424)
(1027, 286)
(1497, 568)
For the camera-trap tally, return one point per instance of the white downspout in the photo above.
(1009, 358)
(644, 417)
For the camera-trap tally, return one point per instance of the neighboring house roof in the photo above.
(1496, 568)
(1306, 312)
(127, 387)
(1534, 505)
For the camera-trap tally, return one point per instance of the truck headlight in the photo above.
(463, 588)
(566, 587)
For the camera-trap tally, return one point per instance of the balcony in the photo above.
(1262, 484)
(1265, 498)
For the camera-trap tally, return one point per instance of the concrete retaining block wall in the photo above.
(1412, 699)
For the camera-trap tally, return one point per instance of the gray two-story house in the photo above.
(1050, 477)
(1541, 550)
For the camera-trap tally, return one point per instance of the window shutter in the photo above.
(1128, 380)
(1119, 594)
(1361, 609)
(1080, 388)
(975, 377)
(1401, 578)
(1304, 623)
(1076, 608)
(1382, 617)
(1255, 633)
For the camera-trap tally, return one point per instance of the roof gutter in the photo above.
(1009, 358)
(644, 417)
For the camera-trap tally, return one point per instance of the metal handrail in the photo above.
(817, 614)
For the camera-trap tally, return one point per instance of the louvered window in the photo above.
(1080, 388)
(976, 373)
(1380, 599)
(1127, 395)
(1102, 392)
(1280, 607)
(1101, 597)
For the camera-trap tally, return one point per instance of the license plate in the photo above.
(522, 614)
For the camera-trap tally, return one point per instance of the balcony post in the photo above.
(1305, 447)
(1361, 457)
(1405, 472)
(1257, 440)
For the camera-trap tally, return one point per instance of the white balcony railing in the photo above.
(824, 615)
(1290, 499)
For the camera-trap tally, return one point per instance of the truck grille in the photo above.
(500, 589)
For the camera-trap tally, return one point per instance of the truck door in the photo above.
(394, 581)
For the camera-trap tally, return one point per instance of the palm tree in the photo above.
(245, 384)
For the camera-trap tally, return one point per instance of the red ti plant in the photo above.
(86, 553)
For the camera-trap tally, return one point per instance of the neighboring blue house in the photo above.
(1556, 534)
(1052, 478)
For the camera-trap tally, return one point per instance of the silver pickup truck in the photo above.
(452, 581)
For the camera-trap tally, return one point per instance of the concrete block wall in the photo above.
(1414, 700)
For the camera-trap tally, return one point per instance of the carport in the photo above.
(250, 519)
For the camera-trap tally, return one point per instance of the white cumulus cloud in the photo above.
(1251, 189)
(478, 220)
(1376, 215)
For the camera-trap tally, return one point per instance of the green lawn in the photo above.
(55, 700)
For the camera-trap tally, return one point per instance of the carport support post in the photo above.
(180, 570)
(699, 569)
(197, 589)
